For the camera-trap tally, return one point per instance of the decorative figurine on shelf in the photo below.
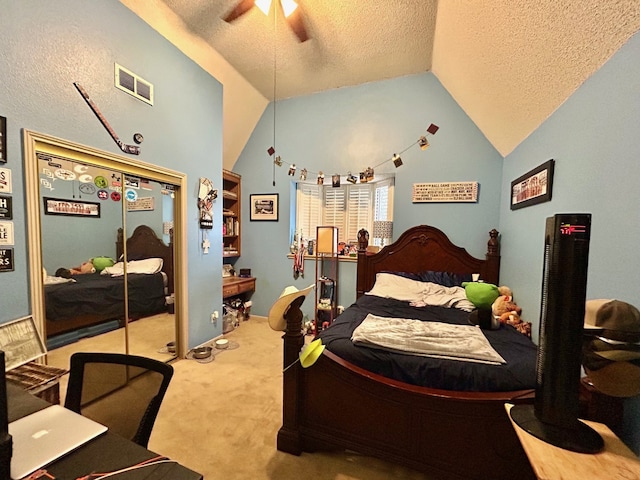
(363, 239)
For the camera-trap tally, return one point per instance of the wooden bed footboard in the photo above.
(449, 435)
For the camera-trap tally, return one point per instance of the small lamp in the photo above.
(382, 229)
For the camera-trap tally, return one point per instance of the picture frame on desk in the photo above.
(264, 207)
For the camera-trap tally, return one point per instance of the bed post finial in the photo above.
(493, 245)
(363, 239)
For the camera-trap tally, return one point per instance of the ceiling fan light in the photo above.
(264, 5)
(288, 7)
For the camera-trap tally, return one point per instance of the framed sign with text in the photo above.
(6, 208)
(20, 342)
(6, 259)
(74, 208)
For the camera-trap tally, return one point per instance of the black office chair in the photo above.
(123, 392)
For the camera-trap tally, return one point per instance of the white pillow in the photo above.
(389, 285)
(147, 266)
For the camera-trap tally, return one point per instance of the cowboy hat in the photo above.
(611, 353)
(280, 307)
(311, 352)
(612, 319)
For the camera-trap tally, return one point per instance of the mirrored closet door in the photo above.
(148, 219)
(107, 253)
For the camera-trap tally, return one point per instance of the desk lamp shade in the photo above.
(382, 229)
(327, 241)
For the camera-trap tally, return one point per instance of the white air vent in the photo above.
(129, 82)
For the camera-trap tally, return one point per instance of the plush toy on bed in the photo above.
(100, 263)
(508, 312)
(85, 267)
(504, 304)
(481, 294)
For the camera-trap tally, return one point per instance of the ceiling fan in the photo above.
(292, 14)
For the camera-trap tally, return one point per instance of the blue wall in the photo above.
(349, 129)
(593, 137)
(49, 45)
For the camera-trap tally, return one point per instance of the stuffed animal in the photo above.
(504, 304)
(510, 318)
(100, 263)
(481, 294)
(85, 267)
(504, 290)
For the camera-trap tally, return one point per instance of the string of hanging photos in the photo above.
(365, 175)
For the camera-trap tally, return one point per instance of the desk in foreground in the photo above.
(105, 453)
(615, 462)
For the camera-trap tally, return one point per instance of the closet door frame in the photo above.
(39, 142)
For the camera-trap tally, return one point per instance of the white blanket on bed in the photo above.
(147, 266)
(436, 339)
(420, 294)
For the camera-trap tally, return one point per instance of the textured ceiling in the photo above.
(352, 42)
(508, 63)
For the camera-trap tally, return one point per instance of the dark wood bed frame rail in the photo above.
(447, 434)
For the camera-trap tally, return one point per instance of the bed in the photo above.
(446, 433)
(93, 299)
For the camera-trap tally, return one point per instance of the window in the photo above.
(349, 207)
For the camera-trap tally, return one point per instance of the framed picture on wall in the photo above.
(264, 207)
(74, 208)
(533, 187)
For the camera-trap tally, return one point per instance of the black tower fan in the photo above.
(554, 415)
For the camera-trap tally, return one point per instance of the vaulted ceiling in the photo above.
(508, 63)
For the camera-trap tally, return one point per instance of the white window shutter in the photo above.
(360, 211)
(334, 210)
(309, 210)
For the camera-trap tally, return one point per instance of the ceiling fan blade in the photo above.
(296, 22)
(242, 7)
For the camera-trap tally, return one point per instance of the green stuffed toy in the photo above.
(100, 263)
(481, 294)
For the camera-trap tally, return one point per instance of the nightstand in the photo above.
(615, 462)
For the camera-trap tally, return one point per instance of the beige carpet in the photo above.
(221, 419)
(147, 337)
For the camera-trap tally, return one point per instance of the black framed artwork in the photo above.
(264, 207)
(533, 187)
(73, 208)
(3, 140)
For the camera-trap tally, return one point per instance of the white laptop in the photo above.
(46, 435)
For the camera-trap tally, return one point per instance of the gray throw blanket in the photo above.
(457, 342)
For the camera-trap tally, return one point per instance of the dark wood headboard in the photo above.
(424, 248)
(144, 243)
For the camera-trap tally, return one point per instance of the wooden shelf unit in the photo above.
(231, 203)
(326, 307)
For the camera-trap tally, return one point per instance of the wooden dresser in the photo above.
(234, 286)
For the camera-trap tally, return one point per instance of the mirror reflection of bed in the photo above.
(96, 310)
(88, 313)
